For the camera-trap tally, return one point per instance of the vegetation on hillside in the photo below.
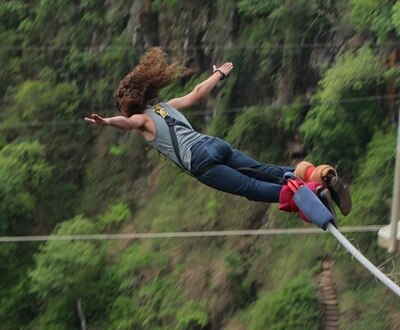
(313, 73)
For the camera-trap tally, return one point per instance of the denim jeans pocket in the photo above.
(213, 150)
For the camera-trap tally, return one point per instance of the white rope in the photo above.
(364, 261)
(258, 232)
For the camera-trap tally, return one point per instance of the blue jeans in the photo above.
(224, 175)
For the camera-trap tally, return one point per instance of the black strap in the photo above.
(268, 177)
(172, 122)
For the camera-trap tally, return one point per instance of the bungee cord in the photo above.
(363, 260)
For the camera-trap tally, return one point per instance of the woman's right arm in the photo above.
(202, 89)
(121, 122)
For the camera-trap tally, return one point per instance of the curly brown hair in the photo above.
(144, 82)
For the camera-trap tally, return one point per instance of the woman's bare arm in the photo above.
(202, 89)
(121, 122)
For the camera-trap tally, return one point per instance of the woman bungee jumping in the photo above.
(211, 160)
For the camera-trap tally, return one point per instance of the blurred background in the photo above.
(315, 80)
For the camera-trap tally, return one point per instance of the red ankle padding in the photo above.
(286, 202)
(286, 197)
(309, 171)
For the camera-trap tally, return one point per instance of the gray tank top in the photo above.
(186, 137)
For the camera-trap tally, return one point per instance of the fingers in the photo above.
(93, 119)
(227, 65)
(224, 68)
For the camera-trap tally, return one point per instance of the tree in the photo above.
(345, 113)
(46, 101)
(23, 173)
(149, 296)
(66, 271)
(377, 16)
(23, 176)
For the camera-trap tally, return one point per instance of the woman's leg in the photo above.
(229, 180)
(224, 175)
(238, 160)
(215, 150)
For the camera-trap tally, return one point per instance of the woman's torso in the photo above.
(186, 136)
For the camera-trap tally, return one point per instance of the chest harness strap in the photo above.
(172, 122)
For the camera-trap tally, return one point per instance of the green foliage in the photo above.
(338, 128)
(192, 315)
(396, 17)
(77, 64)
(157, 305)
(58, 21)
(66, 267)
(293, 306)
(363, 297)
(260, 133)
(18, 306)
(158, 4)
(95, 73)
(11, 13)
(114, 216)
(92, 15)
(114, 183)
(66, 271)
(43, 100)
(136, 259)
(149, 296)
(23, 172)
(257, 7)
(117, 150)
(293, 115)
(63, 59)
(223, 119)
(378, 16)
(238, 268)
(352, 71)
(276, 63)
(373, 184)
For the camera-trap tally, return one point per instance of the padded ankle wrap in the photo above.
(303, 170)
(321, 172)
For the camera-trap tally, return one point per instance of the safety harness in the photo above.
(172, 122)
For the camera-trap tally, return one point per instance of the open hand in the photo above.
(96, 119)
(224, 69)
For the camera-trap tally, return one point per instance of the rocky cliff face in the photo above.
(199, 33)
(276, 61)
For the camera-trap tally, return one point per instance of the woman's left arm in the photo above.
(202, 89)
(120, 122)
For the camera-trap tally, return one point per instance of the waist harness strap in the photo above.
(172, 122)
(259, 173)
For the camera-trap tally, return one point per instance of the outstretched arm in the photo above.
(121, 122)
(202, 89)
